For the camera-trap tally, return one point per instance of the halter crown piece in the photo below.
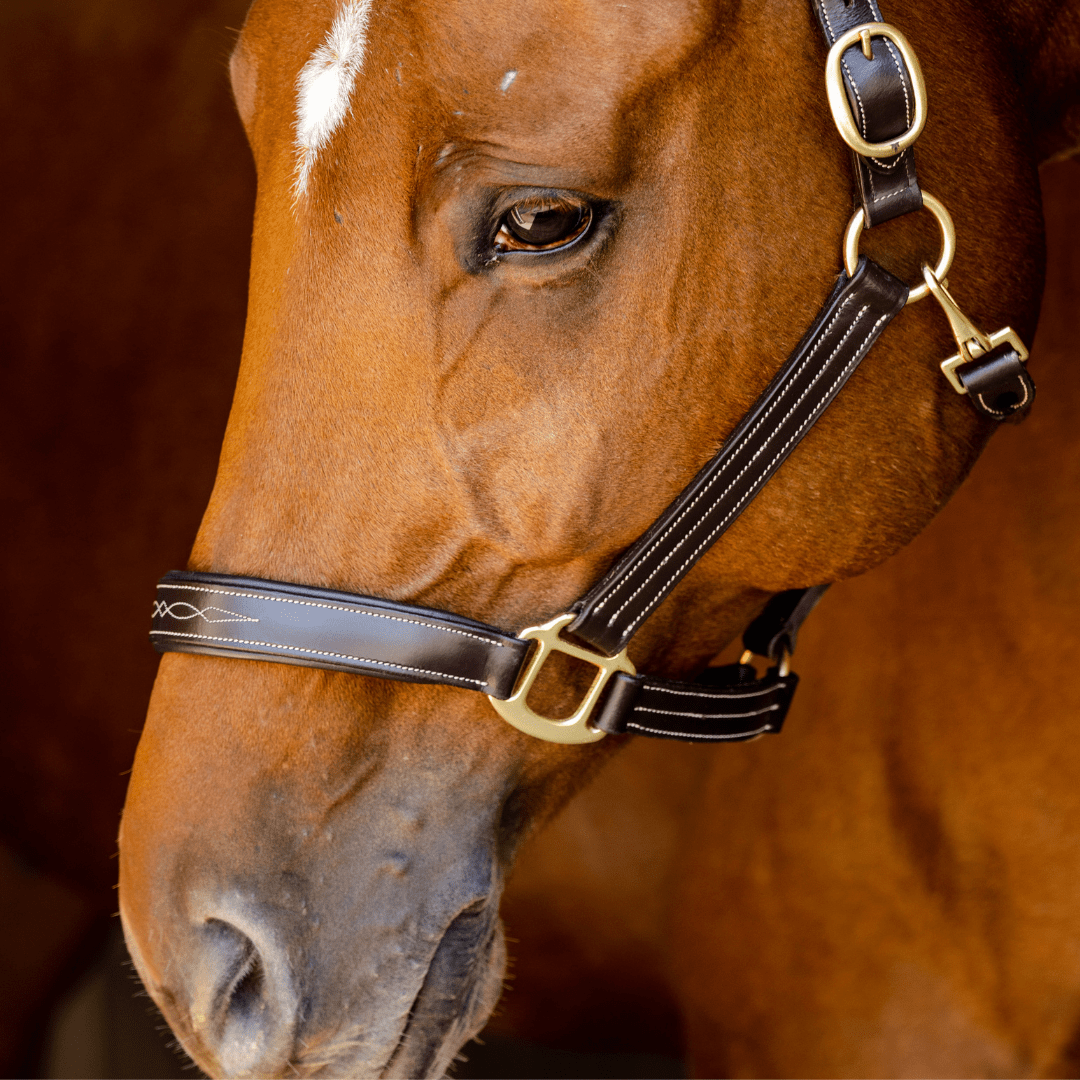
(878, 100)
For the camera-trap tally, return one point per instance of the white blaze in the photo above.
(325, 86)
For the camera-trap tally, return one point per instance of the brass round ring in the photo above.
(854, 232)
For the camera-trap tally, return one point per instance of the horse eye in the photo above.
(543, 224)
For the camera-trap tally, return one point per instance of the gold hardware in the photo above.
(575, 728)
(838, 99)
(948, 244)
(784, 662)
(972, 342)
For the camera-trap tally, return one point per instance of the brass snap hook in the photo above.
(971, 341)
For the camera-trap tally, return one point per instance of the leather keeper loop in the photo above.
(998, 384)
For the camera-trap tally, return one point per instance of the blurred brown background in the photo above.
(128, 195)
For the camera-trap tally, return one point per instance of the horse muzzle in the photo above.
(302, 922)
(250, 993)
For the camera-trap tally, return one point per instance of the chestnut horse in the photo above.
(311, 862)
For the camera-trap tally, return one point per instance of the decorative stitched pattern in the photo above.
(333, 607)
(163, 608)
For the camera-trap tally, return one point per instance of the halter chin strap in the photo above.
(878, 101)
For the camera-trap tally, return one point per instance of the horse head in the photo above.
(517, 272)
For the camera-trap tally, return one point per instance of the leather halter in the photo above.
(878, 100)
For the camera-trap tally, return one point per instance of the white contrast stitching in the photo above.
(1005, 412)
(887, 195)
(757, 453)
(720, 472)
(760, 450)
(856, 357)
(163, 607)
(902, 157)
(858, 96)
(862, 114)
(704, 691)
(331, 607)
(684, 735)
(828, 22)
(874, 197)
(318, 652)
(709, 716)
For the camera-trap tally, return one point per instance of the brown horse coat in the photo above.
(311, 862)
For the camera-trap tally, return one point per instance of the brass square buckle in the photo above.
(575, 728)
(838, 99)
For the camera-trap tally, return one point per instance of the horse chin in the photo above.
(458, 995)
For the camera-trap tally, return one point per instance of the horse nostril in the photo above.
(241, 1000)
(240, 1013)
(233, 976)
(247, 994)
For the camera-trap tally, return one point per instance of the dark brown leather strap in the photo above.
(251, 619)
(882, 101)
(998, 384)
(855, 314)
(776, 630)
(222, 615)
(727, 704)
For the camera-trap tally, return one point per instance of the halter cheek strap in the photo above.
(853, 317)
(878, 101)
